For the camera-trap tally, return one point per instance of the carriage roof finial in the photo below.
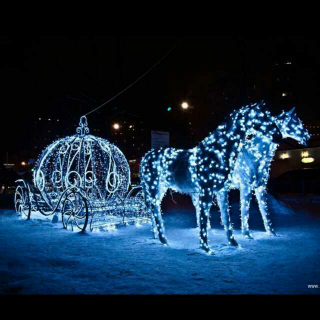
(83, 129)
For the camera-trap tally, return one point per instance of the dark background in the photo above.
(64, 77)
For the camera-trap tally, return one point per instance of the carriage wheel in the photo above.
(75, 213)
(22, 202)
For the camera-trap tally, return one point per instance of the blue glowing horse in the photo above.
(253, 165)
(203, 171)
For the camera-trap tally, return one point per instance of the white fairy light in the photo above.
(252, 169)
(83, 161)
(215, 164)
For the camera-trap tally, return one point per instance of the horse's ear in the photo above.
(286, 117)
(281, 117)
(291, 112)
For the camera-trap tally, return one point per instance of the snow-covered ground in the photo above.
(37, 257)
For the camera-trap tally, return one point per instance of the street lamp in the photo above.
(116, 126)
(23, 164)
(185, 106)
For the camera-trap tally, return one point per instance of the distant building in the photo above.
(290, 160)
(291, 155)
(282, 83)
(8, 165)
(314, 130)
(130, 135)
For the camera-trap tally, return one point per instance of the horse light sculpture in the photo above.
(203, 171)
(252, 169)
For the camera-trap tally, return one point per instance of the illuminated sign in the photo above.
(285, 156)
(308, 160)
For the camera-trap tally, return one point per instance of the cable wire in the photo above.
(131, 85)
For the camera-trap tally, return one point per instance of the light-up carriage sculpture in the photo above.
(84, 180)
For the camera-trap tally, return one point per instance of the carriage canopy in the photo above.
(84, 161)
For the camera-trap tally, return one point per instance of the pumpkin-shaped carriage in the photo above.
(83, 180)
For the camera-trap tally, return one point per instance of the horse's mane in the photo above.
(237, 115)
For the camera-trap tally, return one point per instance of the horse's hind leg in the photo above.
(154, 225)
(262, 200)
(195, 201)
(155, 207)
(223, 202)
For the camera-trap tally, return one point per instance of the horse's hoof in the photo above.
(207, 250)
(272, 234)
(247, 235)
(210, 252)
(165, 242)
(233, 243)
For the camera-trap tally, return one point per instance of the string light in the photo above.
(210, 168)
(83, 161)
(252, 169)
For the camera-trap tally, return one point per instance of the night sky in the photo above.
(68, 76)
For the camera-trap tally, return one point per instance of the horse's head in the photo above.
(292, 127)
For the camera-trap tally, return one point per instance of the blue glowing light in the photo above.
(83, 161)
(217, 164)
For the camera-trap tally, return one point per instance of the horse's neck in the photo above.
(257, 155)
(259, 145)
(230, 137)
(224, 139)
(257, 149)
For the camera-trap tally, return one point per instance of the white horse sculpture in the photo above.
(203, 171)
(252, 169)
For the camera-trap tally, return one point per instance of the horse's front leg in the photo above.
(223, 202)
(204, 206)
(246, 196)
(262, 200)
